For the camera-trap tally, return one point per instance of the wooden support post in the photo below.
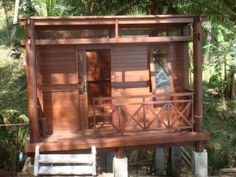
(116, 29)
(197, 64)
(120, 153)
(31, 81)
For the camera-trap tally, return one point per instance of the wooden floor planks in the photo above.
(84, 140)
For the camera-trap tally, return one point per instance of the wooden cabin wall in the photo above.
(58, 66)
(130, 76)
(42, 127)
(59, 98)
(179, 72)
(177, 67)
(130, 70)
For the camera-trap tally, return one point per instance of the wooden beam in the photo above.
(113, 17)
(114, 40)
(197, 65)
(59, 22)
(120, 152)
(106, 20)
(31, 82)
(112, 26)
(145, 139)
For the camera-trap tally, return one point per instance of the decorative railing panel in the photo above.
(164, 112)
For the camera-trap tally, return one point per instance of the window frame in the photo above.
(153, 88)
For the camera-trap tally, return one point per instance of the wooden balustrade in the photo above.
(164, 112)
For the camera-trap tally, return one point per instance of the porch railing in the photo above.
(166, 112)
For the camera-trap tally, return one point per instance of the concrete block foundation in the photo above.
(200, 164)
(120, 167)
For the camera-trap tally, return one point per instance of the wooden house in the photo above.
(115, 82)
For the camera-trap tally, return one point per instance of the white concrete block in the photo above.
(120, 167)
(200, 164)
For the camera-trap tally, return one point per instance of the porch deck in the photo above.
(129, 122)
(84, 140)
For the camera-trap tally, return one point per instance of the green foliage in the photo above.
(13, 108)
(219, 120)
(215, 81)
(50, 7)
(12, 139)
(219, 63)
(12, 84)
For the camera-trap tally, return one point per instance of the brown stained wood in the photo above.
(72, 29)
(31, 86)
(81, 58)
(120, 152)
(131, 113)
(125, 85)
(59, 87)
(114, 17)
(61, 111)
(56, 51)
(85, 139)
(125, 64)
(116, 29)
(59, 78)
(186, 62)
(108, 20)
(114, 40)
(197, 64)
(130, 76)
(83, 110)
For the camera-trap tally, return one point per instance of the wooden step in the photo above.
(65, 164)
(66, 158)
(65, 170)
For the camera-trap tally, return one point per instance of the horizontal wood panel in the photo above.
(112, 21)
(130, 76)
(142, 40)
(62, 109)
(129, 84)
(56, 50)
(55, 62)
(60, 88)
(131, 65)
(123, 53)
(59, 69)
(64, 105)
(60, 78)
(134, 68)
(129, 60)
(57, 57)
(130, 91)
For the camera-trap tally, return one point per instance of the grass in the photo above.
(219, 120)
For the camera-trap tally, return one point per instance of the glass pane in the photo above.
(159, 57)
